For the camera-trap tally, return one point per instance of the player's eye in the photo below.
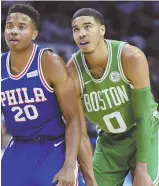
(87, 27)
(9, 26)
(22, 27)
(75, 30)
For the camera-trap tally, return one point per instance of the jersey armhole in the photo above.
(120, 65)
(41, 75)
(79, 74)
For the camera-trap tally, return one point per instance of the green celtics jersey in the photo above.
(106, 101)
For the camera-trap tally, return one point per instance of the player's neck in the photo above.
(99, 56)
(21, 57)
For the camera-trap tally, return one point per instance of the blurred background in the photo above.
(136, 22)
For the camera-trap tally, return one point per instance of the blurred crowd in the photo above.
(136, 22)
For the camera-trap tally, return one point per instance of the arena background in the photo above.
(136, 22)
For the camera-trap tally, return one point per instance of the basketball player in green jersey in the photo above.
(113, 89)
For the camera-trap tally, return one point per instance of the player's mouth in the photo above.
(14, 41)
(84, 43)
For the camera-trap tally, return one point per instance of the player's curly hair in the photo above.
(28, 10)
(89, 12)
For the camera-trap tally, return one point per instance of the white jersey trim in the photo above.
(19, 76)
(107, 69)
(41, 75)
(120, 65)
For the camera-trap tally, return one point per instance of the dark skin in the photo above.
(20, 32)
(85, 152)
(135, 67)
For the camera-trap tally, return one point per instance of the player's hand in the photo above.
(65, 177)
(142, 179)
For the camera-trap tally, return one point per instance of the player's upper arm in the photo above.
(135, 66)
(56, 74)
(73, 72)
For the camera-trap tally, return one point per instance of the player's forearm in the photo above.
(141, 102)
(85, 160)
(143, 146)
(143, 139)
(73, 139)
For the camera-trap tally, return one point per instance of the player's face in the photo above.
(19, 31)
(87, 33)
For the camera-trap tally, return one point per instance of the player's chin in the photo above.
(86, 51)
(13, 47)
(14, 44)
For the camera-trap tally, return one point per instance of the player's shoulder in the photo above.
(70, 64)
(128, 50)
(54, 68)
(131, 52)
(132, 57)
(50, 58)
(74, 74)
(134, 61)
(48, 55)
(52, 65)
(71, 68)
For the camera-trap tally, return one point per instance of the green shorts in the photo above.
(115, 156)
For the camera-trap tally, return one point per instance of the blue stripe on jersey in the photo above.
(29, 104)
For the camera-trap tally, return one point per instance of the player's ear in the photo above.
(102, 30)
(35, 34)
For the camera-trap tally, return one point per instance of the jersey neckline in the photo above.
(99, 80)
(28, 64)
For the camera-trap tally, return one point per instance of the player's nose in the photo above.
(14, 31)
(82, 34)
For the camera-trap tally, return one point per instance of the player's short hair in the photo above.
(89, 12)
(28, 10)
